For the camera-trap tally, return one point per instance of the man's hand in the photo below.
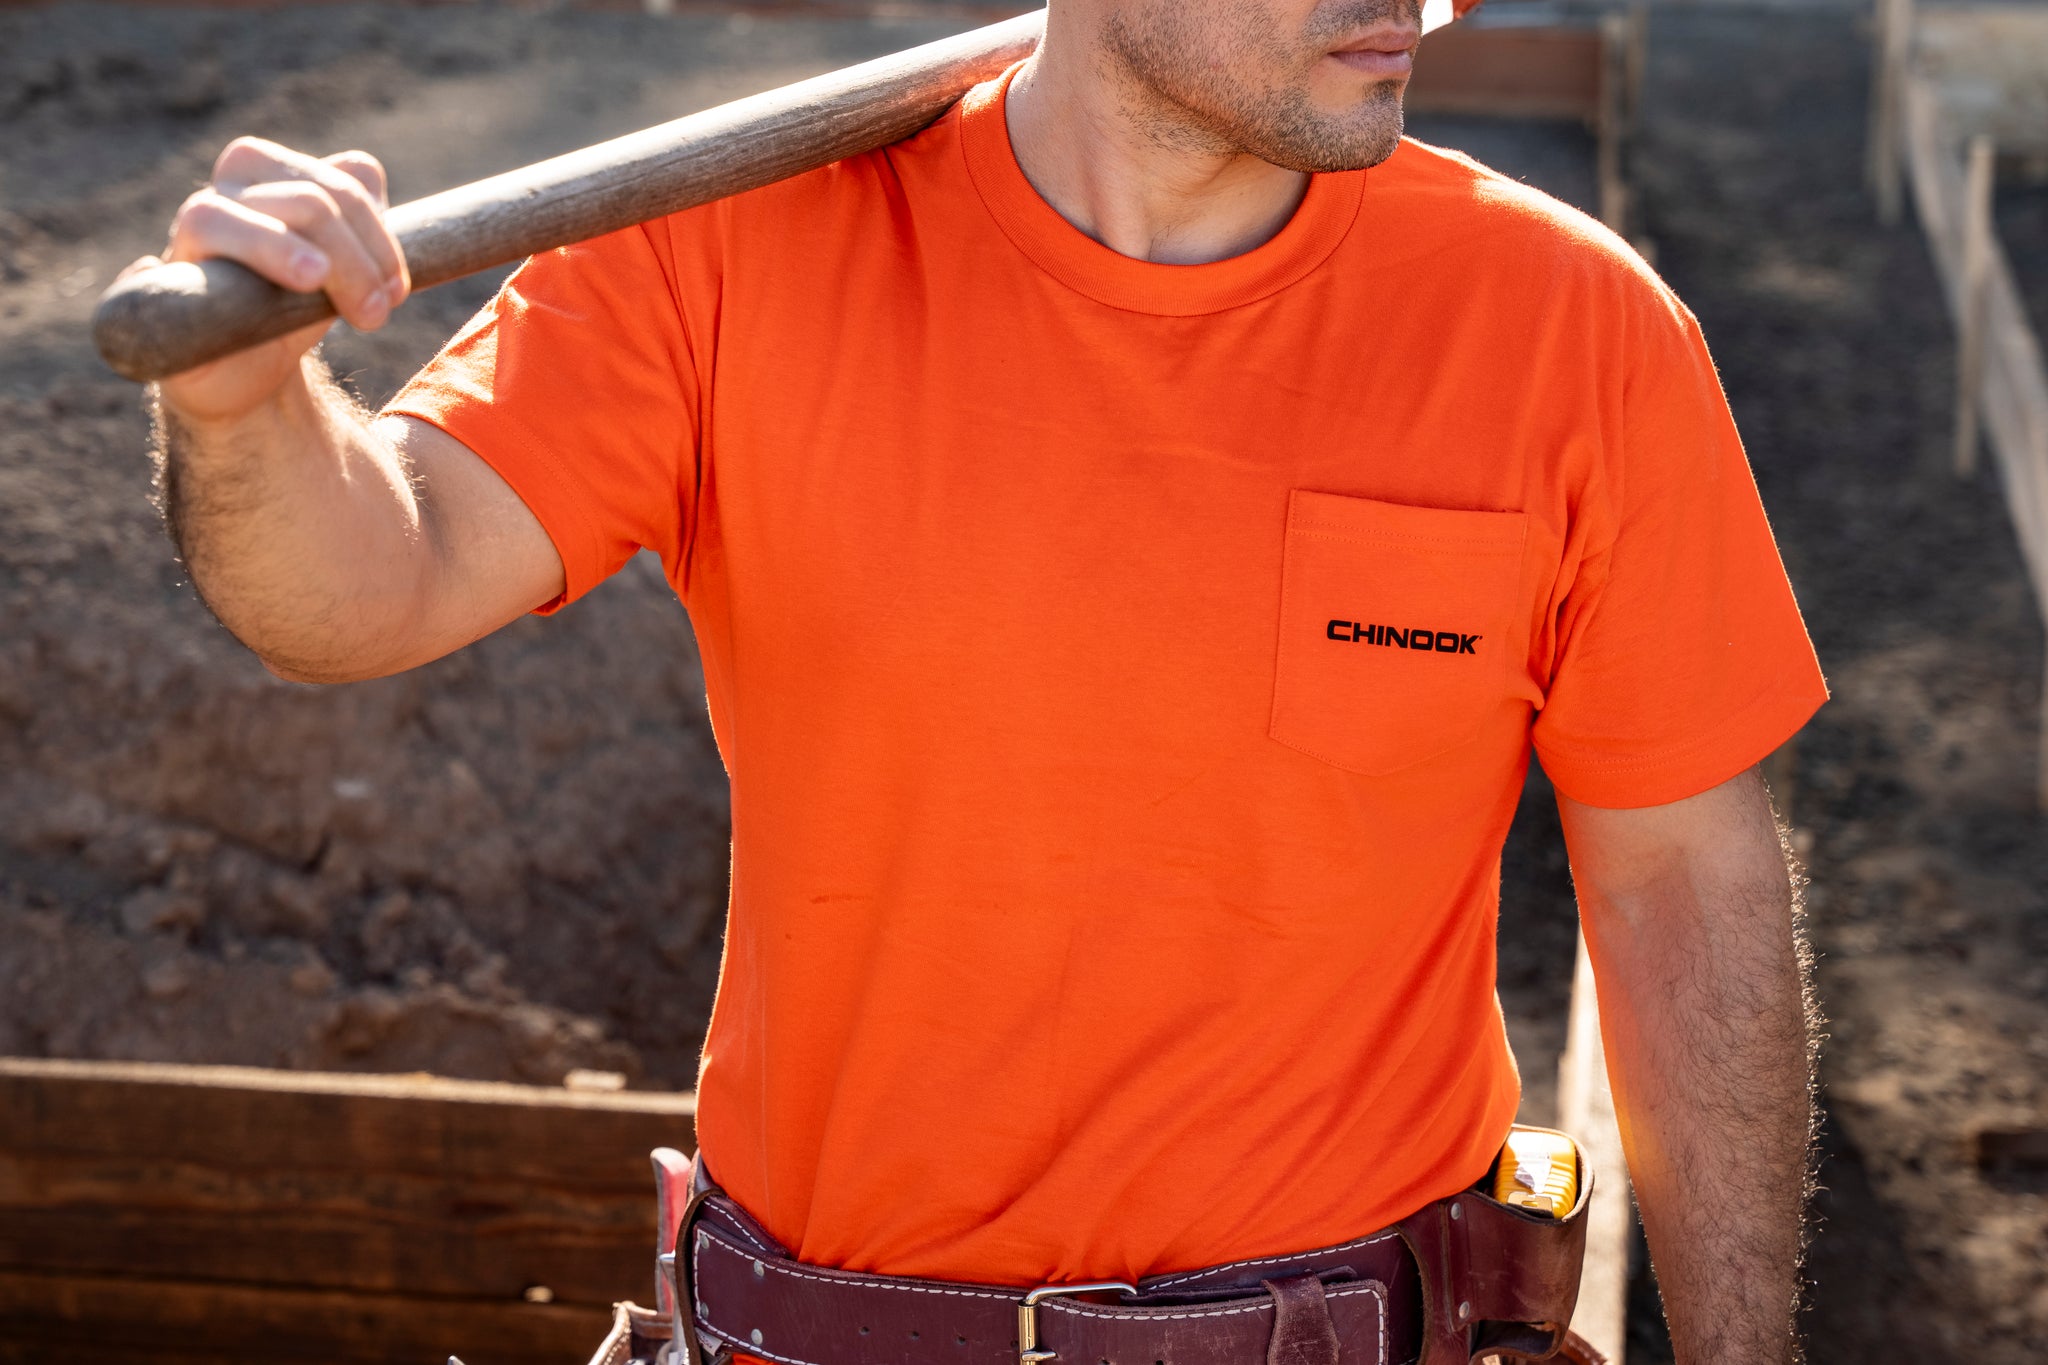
(1688, 910)
(334, 547)
(300, 221)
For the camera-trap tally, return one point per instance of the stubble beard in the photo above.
(1257, 101)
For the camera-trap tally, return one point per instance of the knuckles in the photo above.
(318, 197)
(365, 170)
(315, 203)
(346, 187)
(198, 215)
(249, 158)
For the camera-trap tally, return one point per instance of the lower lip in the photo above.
(1379, 65)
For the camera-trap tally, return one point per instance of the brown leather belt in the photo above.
(1463, 1277)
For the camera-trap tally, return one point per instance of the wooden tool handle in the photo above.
(170, 318)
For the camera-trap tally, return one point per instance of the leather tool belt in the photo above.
(1462, 1278)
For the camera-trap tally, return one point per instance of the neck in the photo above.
(1131, 170)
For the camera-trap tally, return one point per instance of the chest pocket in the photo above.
(1396, 628)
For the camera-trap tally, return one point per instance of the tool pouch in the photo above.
(1498, 1280)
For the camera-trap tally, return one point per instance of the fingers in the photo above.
(353, 180)
(304, 222)
(368, 172)
(362, 287)
(212, 224)
(366, 169)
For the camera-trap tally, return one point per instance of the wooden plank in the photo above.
(424, 1124)
(365, 1184)
(1611, 125)
(1890, 53)
(1551, 71)
(2014, 394)
(1977, 233)
(1635, 65)
(47, 1318)
(1585, 1109)
(1990, 65)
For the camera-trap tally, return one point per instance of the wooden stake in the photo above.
(1970, 311)
(1614, 45)
(1585, 1109)
(1893, 45)
(1634, 63)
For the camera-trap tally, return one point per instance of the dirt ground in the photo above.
(510, 864)
(507, 865)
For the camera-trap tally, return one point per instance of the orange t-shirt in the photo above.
(1126, 672)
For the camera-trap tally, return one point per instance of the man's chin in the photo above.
(1355, 147)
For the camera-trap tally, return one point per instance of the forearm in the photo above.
(1705, 1023)
(300, 527)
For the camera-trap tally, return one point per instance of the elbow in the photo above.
(292, 667)
(322, 674)
(326, 649)
(294, 672)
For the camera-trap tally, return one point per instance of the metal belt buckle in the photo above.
(1027, 1314)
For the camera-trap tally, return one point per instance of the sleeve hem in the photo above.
(540, 482)
(1736, 744)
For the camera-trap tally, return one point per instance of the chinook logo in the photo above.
(1436, 641)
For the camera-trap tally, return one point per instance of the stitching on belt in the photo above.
(1157, 1285)
(1134, 1316)
(740, 1229)
(776, 1268)
(1139, 1315)
(697, 1311)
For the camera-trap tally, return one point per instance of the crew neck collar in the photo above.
(1325, 214)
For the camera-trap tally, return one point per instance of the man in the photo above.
(1135, 530)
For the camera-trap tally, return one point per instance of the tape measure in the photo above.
(1538, 1170)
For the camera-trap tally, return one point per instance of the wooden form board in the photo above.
(1511, 71)
(2010, 381)
(1588, 72)
(227, 1213)
(1990, 65)
(2014, 393)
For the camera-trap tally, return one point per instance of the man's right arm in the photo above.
(334, 546)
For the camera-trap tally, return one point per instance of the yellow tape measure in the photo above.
(1538, 1170)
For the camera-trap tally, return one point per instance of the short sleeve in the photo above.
(1682, 659)
(577, 384)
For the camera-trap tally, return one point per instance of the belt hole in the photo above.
(913, 1334)
(959, 1341)
(863, 1331)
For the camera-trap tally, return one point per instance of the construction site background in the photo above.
(511, 865)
